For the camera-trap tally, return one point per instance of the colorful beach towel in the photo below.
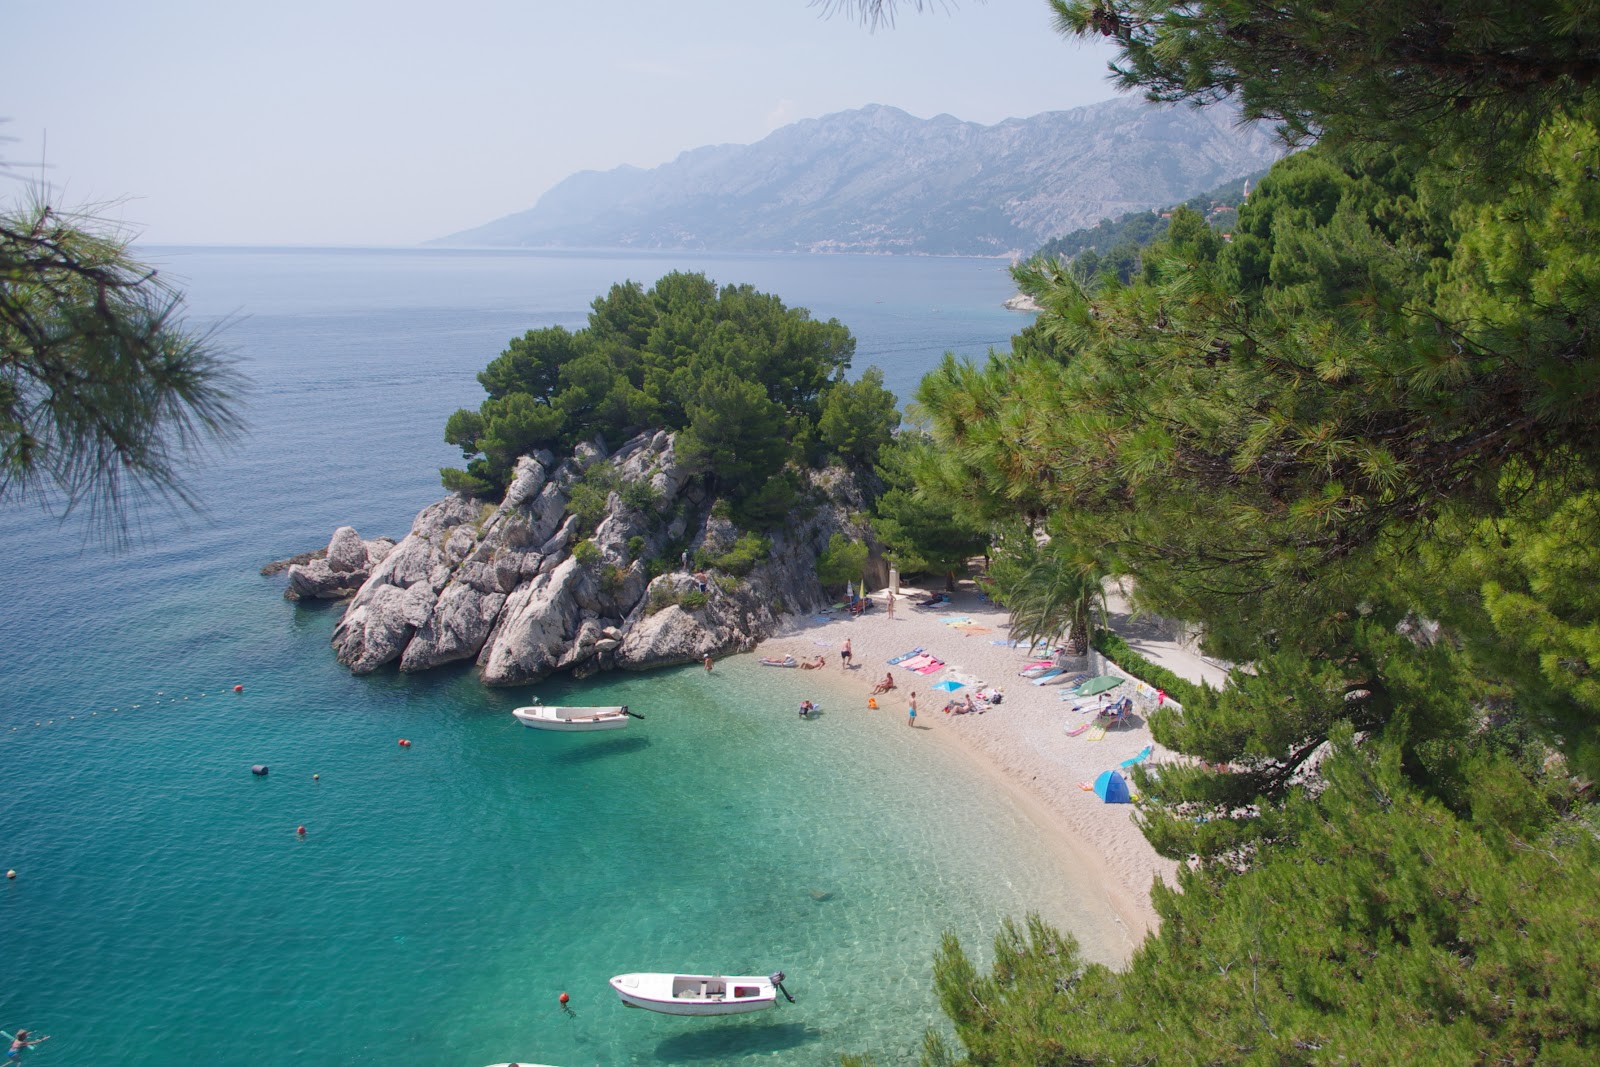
(917, 662)
(936, 665)
(951, 620)
(972, 628)
(902, 657)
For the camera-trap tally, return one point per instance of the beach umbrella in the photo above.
(1111, 788)
(1102, 684)
(949, 685)
(849, 592)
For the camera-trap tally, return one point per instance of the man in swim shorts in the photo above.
(844, 655)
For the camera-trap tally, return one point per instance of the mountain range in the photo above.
(878, 180)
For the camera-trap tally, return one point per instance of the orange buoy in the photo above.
(564, 998)
(404, 743)
(301, 830)
(872, 702)
(238, 689)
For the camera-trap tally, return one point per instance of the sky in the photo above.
(388, 124)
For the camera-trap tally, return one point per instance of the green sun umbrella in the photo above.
(1095, 686)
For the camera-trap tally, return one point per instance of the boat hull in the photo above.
(571, 720)
(679, 994)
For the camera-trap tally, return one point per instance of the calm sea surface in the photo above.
(165, 911)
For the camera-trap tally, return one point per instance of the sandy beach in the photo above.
(1020, 744)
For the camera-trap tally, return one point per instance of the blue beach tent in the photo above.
(1111, 788)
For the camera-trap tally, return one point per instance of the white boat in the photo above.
(553, 717)
(698, 994)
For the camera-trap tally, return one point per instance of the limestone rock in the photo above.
(341, 571)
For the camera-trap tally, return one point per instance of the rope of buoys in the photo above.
(162, 696)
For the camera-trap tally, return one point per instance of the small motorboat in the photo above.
(698, 994)
(553, 717)
(779, 661)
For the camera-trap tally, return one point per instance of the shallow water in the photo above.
(445, 894)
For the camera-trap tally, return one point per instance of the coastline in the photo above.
(1020, 745)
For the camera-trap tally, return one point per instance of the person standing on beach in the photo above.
(911, 718)
(844, 655)
(891, 604)
(708, 663)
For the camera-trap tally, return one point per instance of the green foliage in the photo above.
(773, 505)
(1051, 591)
(741, 558)
(586, 552)
(1373, 408)
(1112, 246)
(693, 600)
(858, 418)
(922, 524)
(103, 391)
(1390, 932)
(636, 546)
(1481, 74)
(612, 579)
(1111, 645)
(589, 495)
(459, 481)
(727, 367)
(842, 561)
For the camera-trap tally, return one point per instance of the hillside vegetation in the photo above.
(1360, 446)
(748, 384)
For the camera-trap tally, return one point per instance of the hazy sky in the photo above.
(394, 122)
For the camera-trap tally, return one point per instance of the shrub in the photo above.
(740, 559)
(694, 599)
(635, 546)
(841, 561)
(1115, 649)
(640, 495)
(459, 481)
(727, 583)
(586, 552)
(612, 578)
(661, 598)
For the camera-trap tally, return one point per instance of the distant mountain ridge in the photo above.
(879, 180)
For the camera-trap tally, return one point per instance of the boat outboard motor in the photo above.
(777, 980)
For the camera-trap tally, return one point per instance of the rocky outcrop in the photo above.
(341, 570)
(534, 586)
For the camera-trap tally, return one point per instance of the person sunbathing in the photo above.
(885, 685)
(811, 665)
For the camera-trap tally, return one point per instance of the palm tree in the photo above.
(1051, 590)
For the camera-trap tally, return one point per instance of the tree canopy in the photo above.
(104, 392)
(739, 374)
(1357, 445)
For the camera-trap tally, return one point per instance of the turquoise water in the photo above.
(444, 895)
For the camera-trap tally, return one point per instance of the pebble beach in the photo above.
(1021, 744)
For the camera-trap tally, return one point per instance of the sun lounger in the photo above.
(1143, 754)
(1097, 731)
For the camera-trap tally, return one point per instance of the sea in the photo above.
(445, 894)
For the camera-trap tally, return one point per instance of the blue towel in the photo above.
(905, 656)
